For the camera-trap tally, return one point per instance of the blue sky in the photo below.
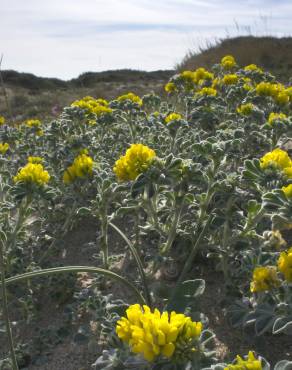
(63, 38)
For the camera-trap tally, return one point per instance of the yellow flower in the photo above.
(253, 68)
(102, 102)
(282, 98)
(132, 97)
(288, 172)
(97, 106)
(230, 79)
(33, 123)
(4, 147)
(172, 117)
(245, 109)
(288, 190)
(207, 91)
(251, 363)
(264, 278)
(35, 160)
(285, 264)
(188, 76)
(2, 120)
(137, 160)
(247, 83)
(273, 117)
(201, 75)
(267, 89)
(32, 173)
(170, 87)
(228, 62)
(82, 167)
(277, 158)
(154, 334)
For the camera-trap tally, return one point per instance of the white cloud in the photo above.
(64, 38)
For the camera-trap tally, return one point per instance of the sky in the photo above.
(64, 38)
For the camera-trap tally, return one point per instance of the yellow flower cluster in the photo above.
(154, 334)
(172, 117)
(247, 83)
(132, 97)
(230, 79)
(285, 264)
(33, 123)
(277, 91)
(228, 62)
(207, 91)
(91, 105)
(4, 147)
(245, 109)
(35, 160)
(170, 87)
(251, 363)
(264, 279)
(288, 189)
(137, 160)
(201, 75)
(277, 158)
(273, 117)
(2, 120)
(253, 68)
(82, 166)
(197, 77)
(32, 173)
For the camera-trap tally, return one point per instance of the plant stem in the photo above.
(194, 251)
(5, 308)
(93, 270)
(173, 228)
(138, 262)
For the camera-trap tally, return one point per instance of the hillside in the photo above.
(32, 96)
(271, 53)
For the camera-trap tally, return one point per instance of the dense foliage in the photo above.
(206, 172)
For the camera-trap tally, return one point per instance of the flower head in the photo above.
(132, 97)
(33, 123)
(228, 62)
(98, 107)
(35, 160)
(285, 264)
(137, 160)
(278, 158)
(251, 363)
(2, 120)
(264, 279)
(154, 334)
(245, 109)
(4, 147)
(230, 79)
(170, 87)
(172, 117)
(32, 173)
(253, 68)
(288, 190)
(82, 167)
(207, 91)
(274, 117)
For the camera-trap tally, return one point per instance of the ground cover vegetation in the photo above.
(204, 174)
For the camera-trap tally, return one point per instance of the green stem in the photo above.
(138, 262)
(5, 308)
(194, 251)
(69, 269)
(173, 229)
(104, 239)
